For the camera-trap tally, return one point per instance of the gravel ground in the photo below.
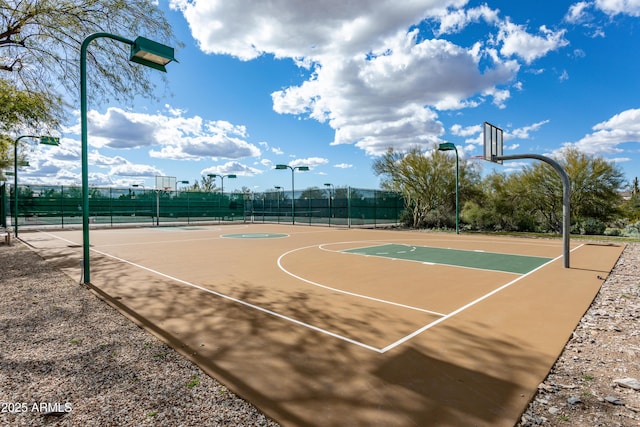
(596, 380)
(67, 358)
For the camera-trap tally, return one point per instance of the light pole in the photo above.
(279, 189)
(330, 187)
(180, 182)
(448, 146)
(222, 177)
(293, 205)
(143, 51)
(46, 140)
(144, 192)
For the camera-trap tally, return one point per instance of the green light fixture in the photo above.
(448, 146)
(222, 177)
(151, 53)
(143, 51)
(47, 140)
(293, 204)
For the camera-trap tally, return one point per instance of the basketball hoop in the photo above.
(493, 143)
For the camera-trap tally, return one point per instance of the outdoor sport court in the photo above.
(338, 327)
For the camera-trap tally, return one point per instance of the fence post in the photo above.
(349, 207)
(3, 215)
(111, 206)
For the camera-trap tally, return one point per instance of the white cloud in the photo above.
(311, 162)
(373, 102)
(525, 131)
(121, 129)
(343, 166)
(179, 137)
(610, 134)
(458, 130)
(615, 7)
(274, 150)
(60, 165)
(578, 12)
(233, 167)
(474, 136)
(374, 77)
(516, 41)
(130, 169)
(454, 21)
(302, 29)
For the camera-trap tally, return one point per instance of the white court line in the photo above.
(113, 245)
(380, 255)
(464, 307)
(435, 238)
(236, 300)
(343, 291)
(320, 330)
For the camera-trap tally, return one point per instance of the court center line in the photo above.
(343, 291)
(471, 304)
(236, 300)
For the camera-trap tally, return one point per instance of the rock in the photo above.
(628, 382)
(573, 400)
(614, 400)
(553, 410)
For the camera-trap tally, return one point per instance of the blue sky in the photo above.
(332, 84)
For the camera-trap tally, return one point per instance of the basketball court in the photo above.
(338, 327)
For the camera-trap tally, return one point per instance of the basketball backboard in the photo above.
(492, 143)
(166, 182)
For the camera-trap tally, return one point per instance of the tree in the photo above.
(595, 197)
(207, 184)
(632, 205)
(21, 112)
(40, 57)
(427, 183)
(501, 206)
(314, 193)
(40, 45)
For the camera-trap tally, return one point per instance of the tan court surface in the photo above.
(314, 335)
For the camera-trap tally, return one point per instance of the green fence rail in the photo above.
(62, 206)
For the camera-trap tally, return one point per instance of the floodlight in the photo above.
(151, 53)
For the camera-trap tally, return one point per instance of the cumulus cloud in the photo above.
(525, 131)
(607, 136)
(233, 167)
(474, 137)
(179, 137)
(578, 12)
(459, 130)
(295, 29)
(311, 162)
(454, 21)
(376, 76)
(130, 169)
(615, 7)
(516, 41)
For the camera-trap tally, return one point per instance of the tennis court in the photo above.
(337, 327)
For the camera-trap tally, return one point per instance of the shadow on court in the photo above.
(302, 378)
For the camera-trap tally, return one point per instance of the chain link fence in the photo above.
(61, 206)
